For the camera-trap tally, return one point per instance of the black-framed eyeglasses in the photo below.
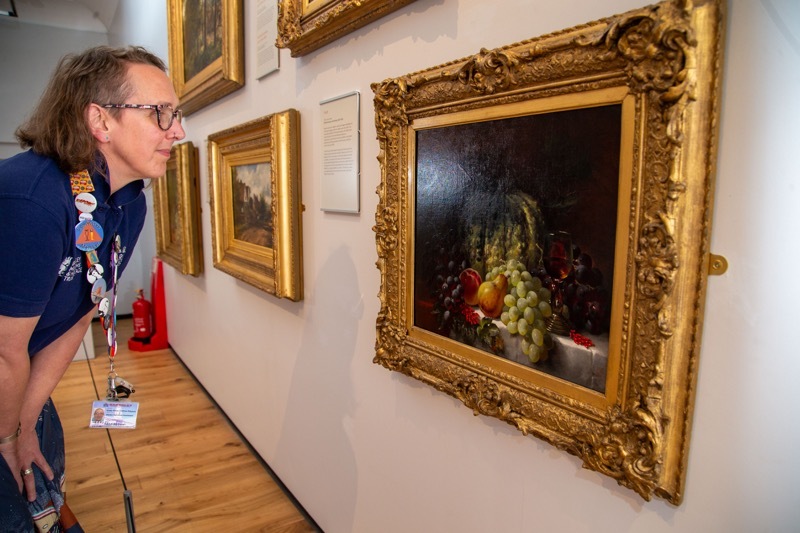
(165, 115)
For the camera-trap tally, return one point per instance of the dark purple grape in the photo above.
(596, 309)
(582, 291)
(583, 274)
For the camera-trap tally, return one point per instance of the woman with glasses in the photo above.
(71, 210)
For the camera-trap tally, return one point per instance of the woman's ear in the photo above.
(97, 118)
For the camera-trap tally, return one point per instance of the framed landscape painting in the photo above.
(176, 202)
(206, 50)
(256, 203)
(543, 230)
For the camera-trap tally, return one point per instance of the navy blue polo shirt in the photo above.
(42, 272)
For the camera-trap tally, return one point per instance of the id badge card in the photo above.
(114, 415)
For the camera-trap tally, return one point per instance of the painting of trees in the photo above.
(252, 204)
(202, 36)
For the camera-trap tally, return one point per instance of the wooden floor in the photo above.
(186, 467)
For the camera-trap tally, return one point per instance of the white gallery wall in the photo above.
(28, 55)
(366, 450)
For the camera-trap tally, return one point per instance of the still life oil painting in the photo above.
(515, 231)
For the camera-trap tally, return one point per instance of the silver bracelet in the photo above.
(14, 436)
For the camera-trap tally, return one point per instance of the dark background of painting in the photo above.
(568, 161)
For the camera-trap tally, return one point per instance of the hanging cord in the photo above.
(126, 494)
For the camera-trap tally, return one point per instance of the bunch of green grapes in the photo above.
(527, 305)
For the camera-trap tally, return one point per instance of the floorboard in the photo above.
(187, 469)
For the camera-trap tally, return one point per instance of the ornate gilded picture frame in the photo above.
(256, 206)
(543, 231)
(176, 203)
(206, 50)
(306, 25)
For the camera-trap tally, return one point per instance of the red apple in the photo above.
(491, 295)
(470, 281)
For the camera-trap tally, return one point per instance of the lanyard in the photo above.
(88, 238)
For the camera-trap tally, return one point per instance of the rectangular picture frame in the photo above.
(204, 73)
(256, 203)
(176, 203)
(307, 25)
(654, 73)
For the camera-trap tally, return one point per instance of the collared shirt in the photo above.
(42, 272)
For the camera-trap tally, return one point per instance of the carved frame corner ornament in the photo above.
(663, 64)
(307, 25)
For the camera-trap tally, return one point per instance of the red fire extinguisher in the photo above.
(142, 318)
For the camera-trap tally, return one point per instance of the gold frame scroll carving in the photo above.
(661, 67)
(306, 25)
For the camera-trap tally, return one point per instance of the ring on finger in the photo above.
(27, 472)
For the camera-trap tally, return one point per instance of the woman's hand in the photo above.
(20, 455)
(29, 454)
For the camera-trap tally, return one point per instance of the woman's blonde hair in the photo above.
(58, 128)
